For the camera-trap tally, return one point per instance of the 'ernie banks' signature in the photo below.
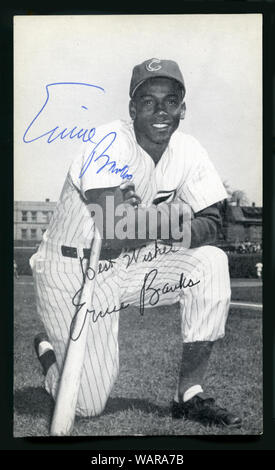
(149, 294)
(86, 135)
(89, 275)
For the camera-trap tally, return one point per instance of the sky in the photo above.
(220, 58)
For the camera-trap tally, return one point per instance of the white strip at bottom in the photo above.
(246, 305)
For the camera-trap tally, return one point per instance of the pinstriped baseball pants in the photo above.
(204, 303)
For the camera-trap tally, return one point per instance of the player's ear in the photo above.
(183, 110)
(132, 109)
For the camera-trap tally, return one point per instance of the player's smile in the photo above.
(156, 109)
(161, 125)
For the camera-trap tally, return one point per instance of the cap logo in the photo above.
(152, 67)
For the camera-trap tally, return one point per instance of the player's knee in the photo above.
(220, 257)
(213, 257)
(89, 410)
(214, 264)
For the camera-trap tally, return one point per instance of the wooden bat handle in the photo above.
(66, 400)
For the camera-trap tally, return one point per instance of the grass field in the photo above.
(250, 294)
(150, 351)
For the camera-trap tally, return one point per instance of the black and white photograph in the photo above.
(138, 267)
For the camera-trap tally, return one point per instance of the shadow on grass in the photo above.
(127, 404)
(33, 401)
(36, 401)
(121, 404)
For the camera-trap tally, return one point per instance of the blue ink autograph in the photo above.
(85, 134)
(112, 164)
(80, 134)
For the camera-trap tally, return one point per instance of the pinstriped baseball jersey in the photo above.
(184, 167)
(184, 171)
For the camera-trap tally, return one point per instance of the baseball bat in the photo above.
(66, 400)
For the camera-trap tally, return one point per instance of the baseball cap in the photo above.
(152, 68)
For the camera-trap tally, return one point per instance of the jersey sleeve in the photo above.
(202, 186)
(100, 164)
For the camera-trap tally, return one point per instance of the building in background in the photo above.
(241, 224)
(244, 223)
(31, 219)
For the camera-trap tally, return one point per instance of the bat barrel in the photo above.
(66, 400)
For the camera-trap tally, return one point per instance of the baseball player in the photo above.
(148, 163)
(259, 268)
(15, 269)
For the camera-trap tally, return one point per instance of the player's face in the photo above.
(156, 109)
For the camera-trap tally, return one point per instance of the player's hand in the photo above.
(129, 194)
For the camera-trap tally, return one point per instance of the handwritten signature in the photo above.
(87, 276)
(154, 299)
(147, 288)
(86, 135)
(134, 255)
